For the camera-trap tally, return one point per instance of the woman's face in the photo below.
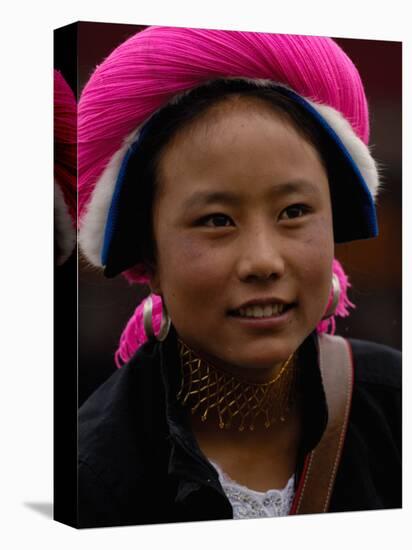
(243, 232)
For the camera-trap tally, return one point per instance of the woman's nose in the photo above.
(260, 257)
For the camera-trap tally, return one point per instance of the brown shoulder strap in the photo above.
(318, 477)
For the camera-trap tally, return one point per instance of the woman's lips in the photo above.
(269, 316)
(261, 310)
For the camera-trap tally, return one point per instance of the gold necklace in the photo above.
(208, 387)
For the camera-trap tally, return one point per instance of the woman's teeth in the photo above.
(261, 311)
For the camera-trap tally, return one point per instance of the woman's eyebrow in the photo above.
(295, 186)
(205, 198)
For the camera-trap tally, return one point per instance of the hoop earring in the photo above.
(336, 290)
(148, 320)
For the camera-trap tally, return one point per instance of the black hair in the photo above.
(132, 240)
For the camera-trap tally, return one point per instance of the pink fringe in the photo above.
(134, 334)
(65, 142)
(136, 274)
(342, 309)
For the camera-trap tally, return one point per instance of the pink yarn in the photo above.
(136, 274)
(149, 68)
(65, 142)
(134, 335)
(342, 309)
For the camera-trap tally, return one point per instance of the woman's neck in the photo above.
(229, 401)
(261, 459)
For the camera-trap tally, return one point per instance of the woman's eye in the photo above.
(294, 211)
(217, 220)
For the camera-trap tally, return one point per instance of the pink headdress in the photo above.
(65, 167)
(158, 65)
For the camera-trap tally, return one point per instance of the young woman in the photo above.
(220, 168)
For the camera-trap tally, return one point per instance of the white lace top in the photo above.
(247, 503)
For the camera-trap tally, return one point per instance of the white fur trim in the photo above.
(91, 234)
(93, 225)
(357, 149)
(64, 231)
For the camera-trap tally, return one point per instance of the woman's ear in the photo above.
(154, 279)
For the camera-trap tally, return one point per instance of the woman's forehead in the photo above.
(239, 150)
(224, 112)
(234, 121)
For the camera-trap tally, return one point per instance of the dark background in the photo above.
(374, 267)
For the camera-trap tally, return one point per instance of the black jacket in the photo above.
(139, 461)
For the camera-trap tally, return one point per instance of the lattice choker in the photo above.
(205, 387)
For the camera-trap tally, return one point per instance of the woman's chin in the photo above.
(262, 364)
(262, 358)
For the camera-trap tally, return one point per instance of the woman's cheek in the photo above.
(318, 243)
(193, 265)
(315, 256)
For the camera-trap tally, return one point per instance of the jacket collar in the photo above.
(184, 443)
